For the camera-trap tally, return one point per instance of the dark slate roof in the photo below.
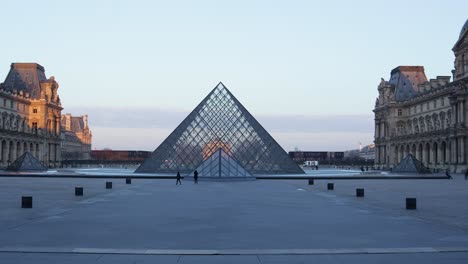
(406, 79)
(411, 164)
(27, 162)
(77, 123)
(25, 77)
(463, 29)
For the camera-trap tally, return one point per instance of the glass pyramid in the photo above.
(26, 162)
(220, 164)
(220, 121)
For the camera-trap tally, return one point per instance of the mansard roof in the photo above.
(464, 29)
(77, 123)
(25, 77)
(406, 79)
(463, 32)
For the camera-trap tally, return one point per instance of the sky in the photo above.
(307, 70)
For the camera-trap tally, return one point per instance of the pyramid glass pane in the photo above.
(220, 121)
(220, 164)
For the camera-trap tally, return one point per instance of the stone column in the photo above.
(441, 154)
(58, 157)
(13, 152)
(19, 149)
(376, 132)
(461, 150)
(431, 154)
(462, 112)
(49, 154)
(9, 149)
(54, 152)
(424, 155)
(402, 153)
(385, 155)
(447, 153)
(416, 152)
(455, 114)
(453, 151)
(376, 155)
(5, 153)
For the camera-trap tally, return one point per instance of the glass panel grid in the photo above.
(220, 124)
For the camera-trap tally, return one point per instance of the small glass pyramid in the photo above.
(220, 121)
(220, 164)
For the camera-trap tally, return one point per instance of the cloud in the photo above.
(146, 128)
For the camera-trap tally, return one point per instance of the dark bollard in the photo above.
(411, 203)
(359, 192)
(311, 182)
(128, 181)
(108, 185)
(78, 191)
(330, 186)
(26, 202)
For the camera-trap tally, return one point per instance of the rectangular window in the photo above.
(427, 105)
(442, 101)
(435, 104)
(4, 102)
(11, 104)
(35, 110)
(400, 112)
(420, 108)
(34, 127)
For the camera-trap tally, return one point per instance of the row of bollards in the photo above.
(410, 202)
(27, 201)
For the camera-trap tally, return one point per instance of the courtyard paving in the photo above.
(263, 221)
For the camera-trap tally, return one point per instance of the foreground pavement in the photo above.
(233, 222)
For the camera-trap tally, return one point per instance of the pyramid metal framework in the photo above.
(411, 164)
(220, 121)
(27, 162)
(220, 164)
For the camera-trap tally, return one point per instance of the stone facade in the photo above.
(428, 119)
(76, 138)
(30, 115)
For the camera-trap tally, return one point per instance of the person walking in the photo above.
(195, 177)
(178, 179)
(447, 173)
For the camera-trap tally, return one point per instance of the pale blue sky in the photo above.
(279, 58)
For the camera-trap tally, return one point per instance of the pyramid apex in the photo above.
(220, 85)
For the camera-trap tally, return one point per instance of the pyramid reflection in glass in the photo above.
(220, 164)
(220, 121)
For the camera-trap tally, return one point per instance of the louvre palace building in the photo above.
(425, 118)
(31, 118)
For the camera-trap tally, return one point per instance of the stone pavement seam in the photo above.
(208, 252)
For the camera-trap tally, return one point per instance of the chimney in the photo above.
(85, 120)
(68, 122)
